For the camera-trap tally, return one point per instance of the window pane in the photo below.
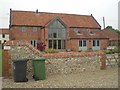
(34, 29)
(80, 43)
(59, 33)
(84, 42)
(50, 32)
(59, 44)
(63, 33)
(50, 43)
(94, 43)
(55, 44)
(34, 43)
(54, 35)
(23, 29)
(63, 44)
(98, 43)
(31, 42)
(3, 35)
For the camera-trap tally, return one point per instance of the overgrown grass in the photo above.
(51, 51)
(1, 61)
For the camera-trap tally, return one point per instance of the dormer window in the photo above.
(79, 33)
(75, 30)
(90, 32)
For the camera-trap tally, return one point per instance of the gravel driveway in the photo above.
(100, 79)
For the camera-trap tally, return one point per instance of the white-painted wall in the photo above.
(3, 39)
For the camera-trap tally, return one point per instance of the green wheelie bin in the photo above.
(39, 68)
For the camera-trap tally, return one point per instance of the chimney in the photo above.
(37, 13)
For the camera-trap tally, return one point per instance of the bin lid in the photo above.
(39, 58)
(20, 60)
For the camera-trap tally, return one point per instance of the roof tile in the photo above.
(41, 19)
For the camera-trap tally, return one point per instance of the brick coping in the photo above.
(72, 54)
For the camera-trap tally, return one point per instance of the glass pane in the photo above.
(50, 43)
(23, 29)
(55, 44)
(34, 43)
(59, 44)
(59, 33)
(54, 35)
(31, 42)
(50, 31)
(98, 43)
(63, 44)
(94, 43)
(80, 43)
(84, 42)
(34, 29)
(63, 33)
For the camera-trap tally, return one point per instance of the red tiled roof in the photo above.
(112, 35)
(71, 20)
(4, 31)
(85, 34)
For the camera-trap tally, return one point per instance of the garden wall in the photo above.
(60, 63)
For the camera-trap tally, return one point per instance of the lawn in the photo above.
(1, 58)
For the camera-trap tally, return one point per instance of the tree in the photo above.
(111, 28)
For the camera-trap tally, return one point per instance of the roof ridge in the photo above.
(52, 13)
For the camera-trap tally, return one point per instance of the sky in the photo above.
(98, 8)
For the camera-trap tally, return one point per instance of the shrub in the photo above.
(112, 51)
(51, 51)
(116, 50)
(108, 52)
(41, 46)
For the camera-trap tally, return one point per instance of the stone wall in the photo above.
(59, 63)
(66, 65)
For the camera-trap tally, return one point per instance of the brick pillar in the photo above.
(102, 62)
(6, 64)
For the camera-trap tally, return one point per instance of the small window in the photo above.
(33, 42)
(23, 29)
(75, 30)
(3, 35)
(34, 29)
(91, 33)
(84, 43)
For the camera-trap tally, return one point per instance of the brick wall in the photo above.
(6, 64)
(73, 44)
(104, 44)
(17, 34)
